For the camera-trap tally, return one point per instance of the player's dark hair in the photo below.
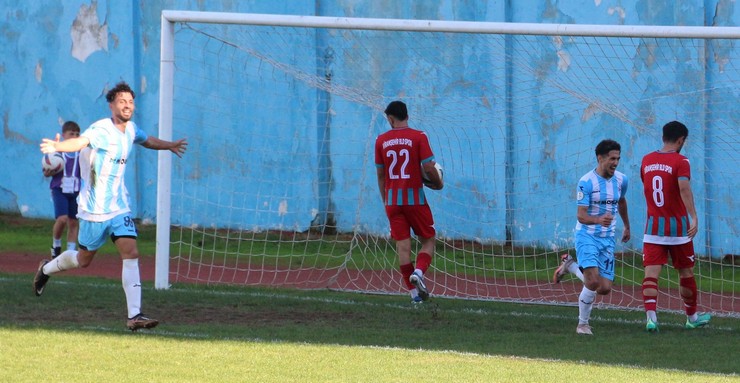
(121, 87)
(70, 126)
(674, 130)
(606, 146)
(398, 110)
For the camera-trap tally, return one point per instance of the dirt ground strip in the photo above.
(109, 266)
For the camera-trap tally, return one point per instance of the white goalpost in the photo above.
(281, 112)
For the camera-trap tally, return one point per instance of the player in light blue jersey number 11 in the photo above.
(600, 197)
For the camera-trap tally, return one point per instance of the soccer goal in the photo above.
(281, 112)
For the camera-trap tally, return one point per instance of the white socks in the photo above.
(575, 270)
(65, 261)
(131, 286)
(414, 293)
(129, 277)
(652, 315)
(58, 243)
(585, 304)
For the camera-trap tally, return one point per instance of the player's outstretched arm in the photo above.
(69, 145)
(178, 147)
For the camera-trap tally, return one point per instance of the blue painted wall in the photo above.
(58, 58)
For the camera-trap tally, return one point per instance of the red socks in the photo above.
(688, 293)
(406, 271)
(650, 301)
(423, 260)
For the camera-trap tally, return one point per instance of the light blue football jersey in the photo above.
(600, 196)
(103, 194)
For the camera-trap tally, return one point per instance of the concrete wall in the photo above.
(58, 58)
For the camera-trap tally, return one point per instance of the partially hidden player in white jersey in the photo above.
(600, 196)
(103, 200)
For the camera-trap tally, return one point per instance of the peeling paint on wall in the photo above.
(589, 112)
(39, 72)
(88, 35)
(115, 39)
(11, 135)
(8, 201)
(564, 58)
(283, 208)
(721, 48)
(619, 11)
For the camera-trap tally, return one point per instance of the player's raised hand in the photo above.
(49, 146)
(179, 147)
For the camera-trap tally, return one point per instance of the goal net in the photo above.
(281, 114)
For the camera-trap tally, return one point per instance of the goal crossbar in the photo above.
(659, 31)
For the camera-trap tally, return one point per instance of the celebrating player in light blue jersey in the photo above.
(103, 201)
(600, 196)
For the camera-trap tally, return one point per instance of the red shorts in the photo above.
(682, 255)
(405, 218)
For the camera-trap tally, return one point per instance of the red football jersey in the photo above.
(666, 213)
(400, 152)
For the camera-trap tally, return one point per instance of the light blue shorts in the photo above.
(92, 235)
(596, 252)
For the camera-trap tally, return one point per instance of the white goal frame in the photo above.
(167, 65)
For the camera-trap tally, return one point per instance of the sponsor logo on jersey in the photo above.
(398, 141)
(607, 202)
(658, 167)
